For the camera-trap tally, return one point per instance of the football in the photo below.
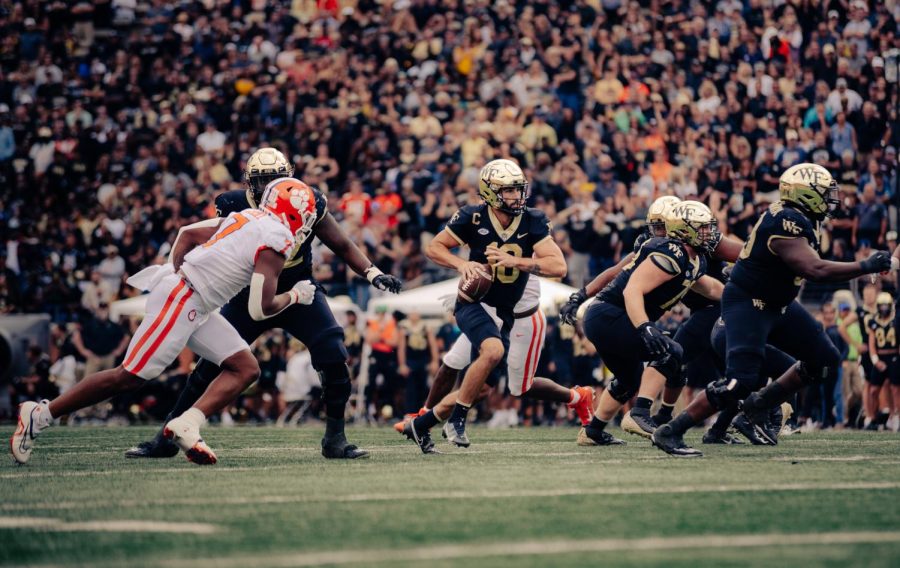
(474, 289)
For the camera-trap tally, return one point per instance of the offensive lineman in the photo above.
(313, 325)
(210, 265)
(620, 322)
(759, 307)
(516, 241)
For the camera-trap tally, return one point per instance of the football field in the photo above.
(526, 497)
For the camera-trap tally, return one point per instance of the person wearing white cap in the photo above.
(842, 91)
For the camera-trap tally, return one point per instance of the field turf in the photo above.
(517, 498)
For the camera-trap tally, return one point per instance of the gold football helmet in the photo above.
(811, 188)
(498, 177)
(656, 214)
(692, 223)
(264, 166)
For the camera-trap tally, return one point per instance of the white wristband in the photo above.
(294, 295)
(372, 273)
(874, 358)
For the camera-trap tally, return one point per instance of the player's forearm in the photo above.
(550, 266)
(830, 271)
(634, 306)
(441, 255)
(604, 278)
(331, 234)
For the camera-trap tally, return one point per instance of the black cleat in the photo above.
(747, 430)
(338, 448)
(872, 427)
(673, 444)
(639, 424)
(589, 437)
(713, 437)
(423, 440)
(758, 417)
(153, 449)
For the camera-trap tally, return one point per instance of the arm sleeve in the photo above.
(460, 225)
(541, 227)
(667, 256)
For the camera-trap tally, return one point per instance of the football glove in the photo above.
(382, 281)
(303, 292)
(653, 339)
(878, 261)
(568, 313)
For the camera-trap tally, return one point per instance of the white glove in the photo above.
(895, 263)
(303, 292)
(449, 302)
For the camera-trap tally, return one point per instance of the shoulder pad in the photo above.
(640, 240)
(231, 202)
(321, 204)
(668, 254)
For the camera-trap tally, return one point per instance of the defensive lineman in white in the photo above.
(211, 262)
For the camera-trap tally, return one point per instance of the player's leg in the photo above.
(237, 314)
(455, 359)
(158, 340)
(526, 344)
(798, 334)
(491, 341)
(747, 329)
(314, 325)
(218, 342)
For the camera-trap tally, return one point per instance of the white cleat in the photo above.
(22, 441)
(186, 435)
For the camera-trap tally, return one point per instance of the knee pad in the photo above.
(620, 391)
(671, 368)
(328, 349)
(336, 387)
(726, 393)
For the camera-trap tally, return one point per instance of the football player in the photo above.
(314, 325)
(759, 307)
(211, 263)
(883, 354)
(526, 343)
(516, 241)
(620, 323)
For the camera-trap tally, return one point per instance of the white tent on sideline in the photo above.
(427, 299)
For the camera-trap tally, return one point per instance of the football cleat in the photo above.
(400, 426)
(747, 430)
(758, 417)
(187, 437)
(673, 444)
(455, 432)
(422, 439)
(589, 437)
(638, 424)
(659, 418)
(584, 408)
(153, 449)
(714, 437)
(338, 448)
(22, 441)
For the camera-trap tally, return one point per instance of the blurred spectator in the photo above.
(383, 388)
(417, 357)
(100, 341)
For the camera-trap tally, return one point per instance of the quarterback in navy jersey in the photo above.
(759, 306)
(620, 322)
(313, 325)
(515, 240)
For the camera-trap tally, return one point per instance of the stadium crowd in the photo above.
(120, 121)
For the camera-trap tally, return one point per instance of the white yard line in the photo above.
(539, 548)
(59, 525)
(452, 495)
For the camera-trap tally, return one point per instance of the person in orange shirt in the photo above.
(660, 168)
(381, 335)
(356, 203)
(388, 203)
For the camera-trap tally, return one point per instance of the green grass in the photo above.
(273, 500)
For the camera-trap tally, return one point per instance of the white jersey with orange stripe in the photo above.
(531, 297)
(223, 266)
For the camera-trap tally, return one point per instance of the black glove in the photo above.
(878, 261)
(653, 339)
(568, 313)
(388, 283)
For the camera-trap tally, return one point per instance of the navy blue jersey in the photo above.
(642, 238)
(671, 257)
(477, 227)
(885, 333)
(694, 301)
(761, 272)
(299, 264)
